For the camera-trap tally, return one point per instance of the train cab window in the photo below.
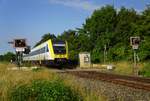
(59, 49)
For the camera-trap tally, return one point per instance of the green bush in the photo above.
(42, 90)
(27, 64)
(36, 69)
(146, 70)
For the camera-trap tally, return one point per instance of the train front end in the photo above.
(60, 49)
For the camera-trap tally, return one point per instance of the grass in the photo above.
(145, 71)
(43, 90)
(87, 95)
(125, 67)
(11, 78)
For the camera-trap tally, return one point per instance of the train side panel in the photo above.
(47, 52)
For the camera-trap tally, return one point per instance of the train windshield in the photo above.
(59, 47)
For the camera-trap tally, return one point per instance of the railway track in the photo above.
(130, 81)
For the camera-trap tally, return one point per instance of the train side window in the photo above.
(47, 50)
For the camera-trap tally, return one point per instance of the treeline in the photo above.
(110, 29)
(9, 56)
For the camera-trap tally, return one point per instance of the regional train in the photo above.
(48, 53)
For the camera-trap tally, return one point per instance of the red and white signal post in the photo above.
(19, 45)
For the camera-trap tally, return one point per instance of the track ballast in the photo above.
(130, 81)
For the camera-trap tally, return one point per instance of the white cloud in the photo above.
(83, 4)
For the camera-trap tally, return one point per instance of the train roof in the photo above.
(43, 44)
(40, 46)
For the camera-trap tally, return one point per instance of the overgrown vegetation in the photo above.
(42, 90)
(124, 68)
(146, 70)
(40, 85)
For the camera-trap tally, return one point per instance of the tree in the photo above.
(8, 57)
(145, 34)
(100, 28)
(1, 57)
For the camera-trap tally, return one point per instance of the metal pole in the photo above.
(113, 2)
(104, 54)
(135, 71)
(19, 59)
(17, 53)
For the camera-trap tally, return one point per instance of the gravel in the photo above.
(113, 92)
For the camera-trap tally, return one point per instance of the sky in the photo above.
(30, 19)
